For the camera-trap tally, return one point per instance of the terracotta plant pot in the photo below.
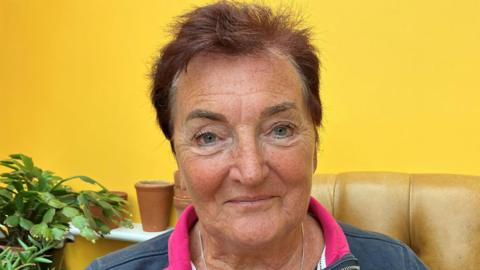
(155, 202)
(57, 255)
(12, 248)
(181, 197)
(180, 204)
(97, 211)
(180, 189)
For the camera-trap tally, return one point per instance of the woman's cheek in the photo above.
(204, 175)
(294, 165)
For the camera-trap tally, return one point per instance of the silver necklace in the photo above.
(205, 262)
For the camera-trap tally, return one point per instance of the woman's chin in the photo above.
(255, 232)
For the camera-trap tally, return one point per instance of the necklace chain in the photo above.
(205, 262)
(201, 250)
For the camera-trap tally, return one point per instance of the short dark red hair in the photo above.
(234, 28)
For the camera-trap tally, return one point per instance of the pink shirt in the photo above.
(179, 249)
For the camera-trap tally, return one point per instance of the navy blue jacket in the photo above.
(370, 251)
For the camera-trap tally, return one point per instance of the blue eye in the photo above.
(207, 138)
(282, 131)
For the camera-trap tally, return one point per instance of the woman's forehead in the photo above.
(211, 77)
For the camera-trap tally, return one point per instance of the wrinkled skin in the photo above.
(245, 146)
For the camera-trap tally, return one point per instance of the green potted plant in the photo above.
(26, 257)
(40, 204)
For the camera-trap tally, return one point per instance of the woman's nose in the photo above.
(250, 162)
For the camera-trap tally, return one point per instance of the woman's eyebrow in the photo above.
(285, 106)
(199, 113)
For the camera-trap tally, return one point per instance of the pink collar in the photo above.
(178, 244)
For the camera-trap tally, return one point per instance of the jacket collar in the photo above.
(179, 249)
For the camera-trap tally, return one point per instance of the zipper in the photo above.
(348, 262)
(351, 267)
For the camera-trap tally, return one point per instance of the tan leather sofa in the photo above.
(437, 215)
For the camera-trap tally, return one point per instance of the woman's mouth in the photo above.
(251, 201)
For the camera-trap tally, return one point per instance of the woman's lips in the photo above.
(250, 201)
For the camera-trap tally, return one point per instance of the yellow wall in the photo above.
(400, 85)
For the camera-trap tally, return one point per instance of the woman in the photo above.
(236, 93)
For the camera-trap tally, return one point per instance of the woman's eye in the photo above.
(207, 138)
(282, 131)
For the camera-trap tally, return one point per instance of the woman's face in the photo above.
(245, 145)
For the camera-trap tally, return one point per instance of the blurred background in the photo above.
(400, 86)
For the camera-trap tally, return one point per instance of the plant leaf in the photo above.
(8, 165)
(88, 233)
(83, 178)
(82, 199)
(4, 193)
(47, 234)
(42, 260)
(18, 185)
(39, 230)
(28, 162)
(19, 204)
(86, 179)
(104, 205)
(42, 180)
(25, 223)
(58, 234)
(15, 156)
(22, 244)
(34, 242)
(48, 217)
(46, 196)
(50, 199)
(80, 222)
(70, 212)
(103, 227)
(12, 221)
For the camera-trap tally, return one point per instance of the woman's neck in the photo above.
(284, 252)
